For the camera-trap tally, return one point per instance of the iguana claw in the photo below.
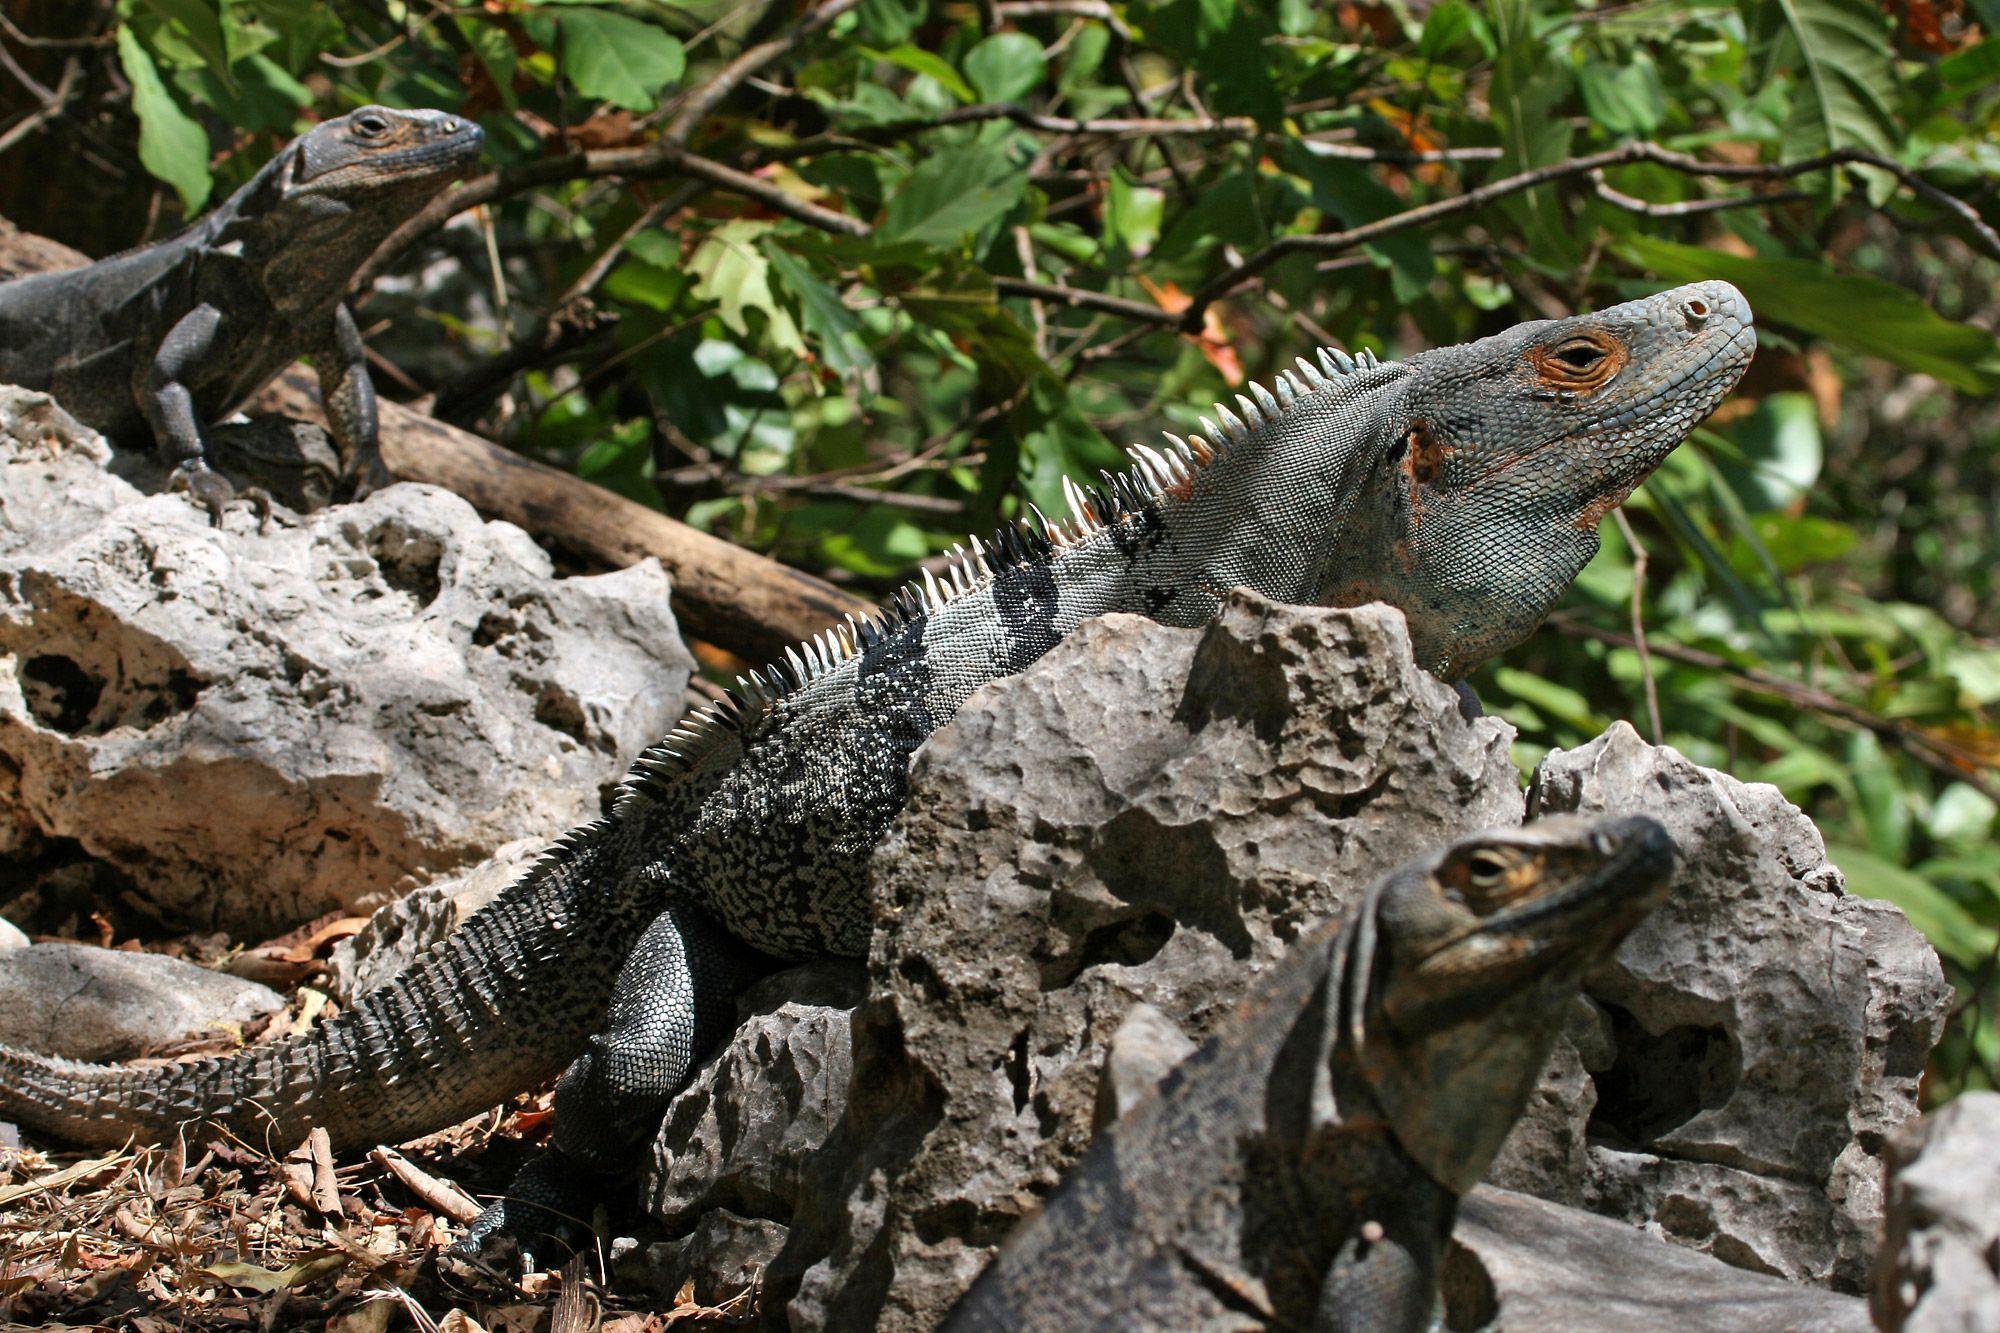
(545, 1201)
(206, 487)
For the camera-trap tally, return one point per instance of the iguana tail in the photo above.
(501, 1005)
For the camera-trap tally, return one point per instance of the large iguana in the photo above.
(172, 337)
(1303, 1168)
(1464, 485)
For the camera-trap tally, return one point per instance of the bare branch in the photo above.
(1335, 242)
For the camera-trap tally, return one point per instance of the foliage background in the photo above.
(948, 251)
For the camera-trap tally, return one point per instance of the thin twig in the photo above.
(1423, 215)
(1085, 299)
(51, 107)
(1639, 623)
(1941, 757)
(1683, 208)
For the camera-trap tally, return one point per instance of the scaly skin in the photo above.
(752, 823)
(1302, 1168)
(172, 337)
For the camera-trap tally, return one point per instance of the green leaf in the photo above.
(732, 271)
(1132, 214)
(622, 60)
(1972, 70)
(887, 22)
(1949, 927)
(1529, 88)
(1005, 66)
(954, 193)
(172, 145)
(1851, 310)
(919, 61)
(835, 330)
(1844, 81)
(1627, 98)
(199, 24)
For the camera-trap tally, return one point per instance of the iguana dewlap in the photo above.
(170, 338)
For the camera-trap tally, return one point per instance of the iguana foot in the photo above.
(549, 1200)
(371, 476)
(206, 487)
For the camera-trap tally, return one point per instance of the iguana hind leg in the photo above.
(674, 998)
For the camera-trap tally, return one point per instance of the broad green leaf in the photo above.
(1005, 66)
(954, 193)
(1972, 70)
(731, 270)
(928, 63)
(172, 145)
(1528, 91)
(1948, 926)
(1626, 98)
(1863, 313)
(199, 24)
(887, 22)
(623, 60)
(1132, 214)
(1844, 83)
(1961, 813)
(835, 330)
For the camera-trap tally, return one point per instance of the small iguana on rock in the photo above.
(1463, 485)
(1302, 1169)
(175, 336)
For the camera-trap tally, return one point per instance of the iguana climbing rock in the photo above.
(172, 337)
(1302, 1168)
(1463, 485)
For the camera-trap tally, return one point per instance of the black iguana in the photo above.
(1463, 485)
(1302, 1169)
(171, 337)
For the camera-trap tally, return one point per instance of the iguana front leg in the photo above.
(348, 394)
(169, 408)
(674, 999)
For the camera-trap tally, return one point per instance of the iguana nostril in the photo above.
(1696, 311)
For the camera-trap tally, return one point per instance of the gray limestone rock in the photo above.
(1149, 815)
(1767, 1029)
(369, 696)
(111, 1004)
(748, 1127)
(1518, 1262)
(1099, 856)
(1939, 1267)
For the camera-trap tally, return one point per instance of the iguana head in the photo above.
(379, 149)
(1494, 462)
(1461, 967)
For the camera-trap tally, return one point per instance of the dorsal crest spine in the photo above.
(1155, 475)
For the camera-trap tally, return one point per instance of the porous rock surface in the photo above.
(110, 1004)
(1939, 1266)
(1150, 816)
(369, 696)
(1518, 1262)
(1751, 1043)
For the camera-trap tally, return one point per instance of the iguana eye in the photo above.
(1485, 870)
(371, 125)
(1579, 355)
